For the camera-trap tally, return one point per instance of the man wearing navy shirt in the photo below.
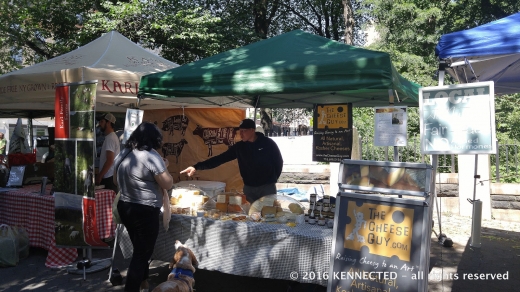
(259, 160)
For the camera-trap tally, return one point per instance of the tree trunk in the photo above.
(263, 17)
(348, 14)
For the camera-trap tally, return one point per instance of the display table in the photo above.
(26, 207)
(246, 248)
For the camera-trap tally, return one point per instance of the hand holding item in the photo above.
(189, 171)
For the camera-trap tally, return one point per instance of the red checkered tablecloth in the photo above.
(26, 207)
(105, 224)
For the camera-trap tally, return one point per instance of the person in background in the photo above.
(109, 151)
(259, 160)
(142, 176)
(3, 144)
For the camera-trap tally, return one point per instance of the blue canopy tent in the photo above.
(490, 52)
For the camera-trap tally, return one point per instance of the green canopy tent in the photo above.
(292, 70)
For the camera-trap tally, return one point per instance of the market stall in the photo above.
(113, 60)
(34, 211)
(489, 52)
(266, 74)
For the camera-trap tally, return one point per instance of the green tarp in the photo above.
(292, 70)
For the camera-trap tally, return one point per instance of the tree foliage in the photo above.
(183, 31)
(409, 30)
(34, 31)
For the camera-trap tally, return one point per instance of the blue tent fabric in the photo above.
(490, 52)
(499, 37)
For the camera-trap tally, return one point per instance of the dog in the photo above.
(183, 266)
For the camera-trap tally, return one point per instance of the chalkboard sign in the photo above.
(380, 243)
(16, 176)
(332, 132)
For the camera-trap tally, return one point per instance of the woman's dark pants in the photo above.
(142, 224)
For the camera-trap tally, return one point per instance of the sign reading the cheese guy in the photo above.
(332, 132)
(379, 244)
(458, 119)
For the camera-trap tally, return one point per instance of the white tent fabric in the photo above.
(113, 60)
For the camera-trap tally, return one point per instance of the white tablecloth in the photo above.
(246, 248)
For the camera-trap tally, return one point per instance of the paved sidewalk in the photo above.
(498, 255)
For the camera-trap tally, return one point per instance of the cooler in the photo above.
(212, 188)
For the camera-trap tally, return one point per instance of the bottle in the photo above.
(312, 219)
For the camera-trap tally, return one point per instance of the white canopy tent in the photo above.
(115, 61)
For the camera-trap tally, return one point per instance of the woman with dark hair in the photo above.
(142, 175)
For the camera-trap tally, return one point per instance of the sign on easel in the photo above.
(458, 119)
(381, 243)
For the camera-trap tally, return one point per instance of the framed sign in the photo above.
(380, 244)
(390, 126)
(16, 176)
(458, 119)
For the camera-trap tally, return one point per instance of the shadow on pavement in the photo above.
(465, 268)
(499, 254)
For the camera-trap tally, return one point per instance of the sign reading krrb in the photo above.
(458, 119)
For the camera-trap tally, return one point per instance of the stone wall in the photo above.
(505, 198)
(304, 177)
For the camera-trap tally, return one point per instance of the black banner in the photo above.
(332, 132)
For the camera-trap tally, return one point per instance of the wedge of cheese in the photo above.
(268, 210)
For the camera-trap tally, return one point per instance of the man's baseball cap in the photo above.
(247, 124)
(109, 117)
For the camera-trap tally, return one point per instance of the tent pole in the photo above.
(256, 107)
(396, 150)
(443, 239)
(442, 71)
(31, 136)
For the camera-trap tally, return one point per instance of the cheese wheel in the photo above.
(295, 208)
(394, 175)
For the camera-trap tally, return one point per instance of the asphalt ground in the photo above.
(457, 268)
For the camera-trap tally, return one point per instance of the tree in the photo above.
(409, 31)
(34, 31)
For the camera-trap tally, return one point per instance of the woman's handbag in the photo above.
(115, 212)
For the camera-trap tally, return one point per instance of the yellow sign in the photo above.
(384, 230)
(332, 117)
